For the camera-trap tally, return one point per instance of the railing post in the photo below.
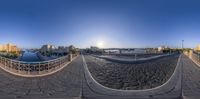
(48, 67)
(11, 64)
(4, 62)
(39, 69)
(70, 57)
(18, 67)
(8, 61)
(8, 64)
(0, 59)
(60, 62)
(54, 65)
(29, 69)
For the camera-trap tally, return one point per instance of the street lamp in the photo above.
(182, 44)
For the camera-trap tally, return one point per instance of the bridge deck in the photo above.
(67, 83)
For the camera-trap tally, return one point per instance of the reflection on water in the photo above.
(29, 56)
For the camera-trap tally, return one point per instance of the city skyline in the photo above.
(113, 23)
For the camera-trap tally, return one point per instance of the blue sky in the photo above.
(109, 23)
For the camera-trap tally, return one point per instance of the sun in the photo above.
(100, 44)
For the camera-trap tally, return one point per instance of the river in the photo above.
(29, 56)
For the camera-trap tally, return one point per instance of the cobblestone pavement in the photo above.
(132, 76)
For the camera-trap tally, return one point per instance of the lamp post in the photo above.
(182, 44)
(182, 72)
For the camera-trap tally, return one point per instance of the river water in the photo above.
(29, 56)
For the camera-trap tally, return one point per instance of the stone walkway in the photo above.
(191, 79)
(63, 84)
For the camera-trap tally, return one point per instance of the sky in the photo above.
(103, 23)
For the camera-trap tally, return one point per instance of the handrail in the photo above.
(194, 56)
(35, 69)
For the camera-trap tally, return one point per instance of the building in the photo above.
(9, 48)
(197, 48)
(47, 48)
(2, 47)
(61, 50)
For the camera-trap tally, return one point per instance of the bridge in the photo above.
(74, 81)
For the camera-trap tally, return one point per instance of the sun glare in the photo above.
(100, 44)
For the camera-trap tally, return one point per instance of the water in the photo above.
(30, 57)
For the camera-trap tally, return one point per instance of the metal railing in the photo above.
(34, 68)
(195, 56)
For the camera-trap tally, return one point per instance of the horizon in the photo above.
(96, 46)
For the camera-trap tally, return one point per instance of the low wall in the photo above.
(129, 61)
